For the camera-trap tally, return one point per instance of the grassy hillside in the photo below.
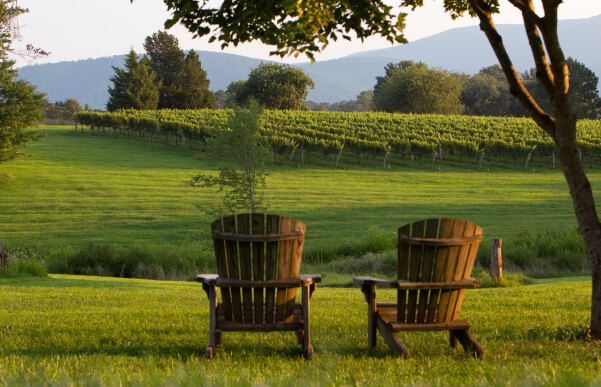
(72, 190)
(69, 330)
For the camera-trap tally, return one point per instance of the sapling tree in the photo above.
(244, 154)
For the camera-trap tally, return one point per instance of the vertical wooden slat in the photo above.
(403, 259)
(230, 225)
(259, 274)
(222, 270)
(459, 253)
(425, 274)
(444, 270)
(418, 229)
(284, 294)
(246, 266)
(465, 266)
(271, 266)
(407, 299)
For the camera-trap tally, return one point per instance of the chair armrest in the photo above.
(461, 284)
(287, 283)
(368, 281)
(309, 279)
(207, 279)
(209, 283)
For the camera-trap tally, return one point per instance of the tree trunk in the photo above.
(553, 73)
(586, 213)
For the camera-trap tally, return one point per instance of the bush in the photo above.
(548, 253)
(135, 262)
(22, 263)
(375, 241)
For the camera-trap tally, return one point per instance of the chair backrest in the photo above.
(440, 251)
(258, 247)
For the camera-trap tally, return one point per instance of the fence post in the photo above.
(496, 259)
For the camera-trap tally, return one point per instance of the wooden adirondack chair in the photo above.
(258, 264)
(435, 262)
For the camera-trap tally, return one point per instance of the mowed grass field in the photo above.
(72, 189)
(95, 331)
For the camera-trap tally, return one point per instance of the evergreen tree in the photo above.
(167, 60)
(143, 89)
(194, 91)
(21, 106)
(134, 86)
(118, 92)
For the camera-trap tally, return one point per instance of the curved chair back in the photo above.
(256, 249)
(441, 252)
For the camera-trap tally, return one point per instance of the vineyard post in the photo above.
(496, 260)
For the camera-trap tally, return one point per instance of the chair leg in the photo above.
(465, 338)
(370, 297)
(306, 332)
(214, 333)
(392, 339)
(300, 336)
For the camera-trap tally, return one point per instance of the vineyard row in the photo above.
(360, 134)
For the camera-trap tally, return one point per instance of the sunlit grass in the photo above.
(100, 331)
(74, 189)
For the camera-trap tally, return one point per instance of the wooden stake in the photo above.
(496, 260)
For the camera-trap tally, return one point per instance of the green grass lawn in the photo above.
(73, 189)
(75, 330)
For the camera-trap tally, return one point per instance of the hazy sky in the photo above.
(81, 29)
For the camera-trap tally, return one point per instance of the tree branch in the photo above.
(532, 24)
(559, 65)
(516, 84)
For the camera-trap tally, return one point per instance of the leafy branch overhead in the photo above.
(306, 25)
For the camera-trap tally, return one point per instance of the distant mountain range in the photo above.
(463, 50)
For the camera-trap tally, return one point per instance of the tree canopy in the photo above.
(487, 94)
(273, 85)
(583, 94)
(21, 106)
(183, 84)
(411, 87)
(134, 86)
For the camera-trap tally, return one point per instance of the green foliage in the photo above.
(487, 94)
(548, 253)
(273, 85)
(21, 268)
(167, 61)
(136, 201)
(133, 262)
(242, 179)
(134, 87)
(62, 111)
(362, 103)
(410, 87)
(584, 96)
(21, 106)
(18, 265)
(292, 27)
(182, 82)
(405, 137)
(195, 91)
(71, 330)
